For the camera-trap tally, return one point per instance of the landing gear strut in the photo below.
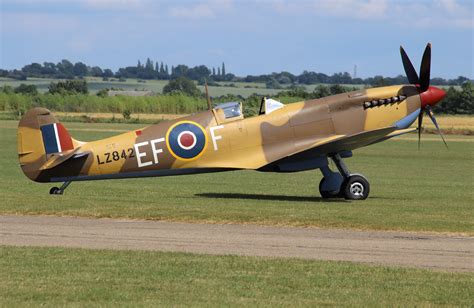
(343, 184)
(59, 190)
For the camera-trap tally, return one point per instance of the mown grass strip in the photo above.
(56, 277)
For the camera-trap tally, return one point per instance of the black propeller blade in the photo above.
(425, 68)
(409, 69)
(433, 119)
(420, 121)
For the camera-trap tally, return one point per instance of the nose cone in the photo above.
(431, 96)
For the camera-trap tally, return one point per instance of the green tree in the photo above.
(7, 89)
(162, 69)
(68, 87)
(29, 89)
(108, 73)
(379, 81)
(96, 71)
(182, 85)
(458, 102)
(466, 101)
(336, 89)
(223, 69)
(148, 65)
(66, 68)
(180, 71)
(272, 83)
(103, 92)
(321, 91)
(80, 69)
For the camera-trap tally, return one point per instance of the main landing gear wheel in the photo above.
(343, 184)
(356, 187)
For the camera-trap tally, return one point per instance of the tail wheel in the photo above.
(55, 191)
(356, 187)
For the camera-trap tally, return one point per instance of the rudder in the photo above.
(40, 135)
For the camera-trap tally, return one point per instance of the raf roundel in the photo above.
(186, 140)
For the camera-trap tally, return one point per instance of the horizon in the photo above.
(237, 76)
(250, 37)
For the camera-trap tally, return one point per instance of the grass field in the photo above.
(426, 190)
(95, 84)
(449, 124)
(78, 277)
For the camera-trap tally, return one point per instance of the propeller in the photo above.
(429, 95)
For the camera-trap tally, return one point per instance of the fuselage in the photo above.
(208, 141)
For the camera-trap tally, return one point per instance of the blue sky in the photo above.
(251, 37)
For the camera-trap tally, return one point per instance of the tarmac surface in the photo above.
(432, 251)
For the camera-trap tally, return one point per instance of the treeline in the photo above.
(146, 71)
(182, 96)
(161, 71)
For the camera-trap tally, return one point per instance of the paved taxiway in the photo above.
(452, 253)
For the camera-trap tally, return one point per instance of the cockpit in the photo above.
(228, 112)
(269, 105)
(231, 111)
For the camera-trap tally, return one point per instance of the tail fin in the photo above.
(41, 136)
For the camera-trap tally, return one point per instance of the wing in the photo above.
(337, 145)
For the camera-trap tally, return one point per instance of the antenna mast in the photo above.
(209, 107)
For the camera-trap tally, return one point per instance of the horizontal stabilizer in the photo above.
(59, 158)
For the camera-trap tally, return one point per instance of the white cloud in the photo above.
(205, 9)
(423, 14)
(114, 4)
(92, 4)
(37, 23)
(196, 11)
(372, 9)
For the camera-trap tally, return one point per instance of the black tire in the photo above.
(328, 194)
(55, 191)
(356, 187)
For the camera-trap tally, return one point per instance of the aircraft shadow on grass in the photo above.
(274, 197)
(266, 197)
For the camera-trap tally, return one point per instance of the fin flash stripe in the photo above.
(56, 138)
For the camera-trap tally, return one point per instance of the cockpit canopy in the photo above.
(228, 112)
(269, 105)
(231, 109)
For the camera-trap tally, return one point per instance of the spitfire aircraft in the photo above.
(282, 138)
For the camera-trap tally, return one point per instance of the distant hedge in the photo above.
(175, 104)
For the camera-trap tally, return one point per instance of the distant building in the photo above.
(130, 93)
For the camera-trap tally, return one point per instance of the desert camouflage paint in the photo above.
(209, 142)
